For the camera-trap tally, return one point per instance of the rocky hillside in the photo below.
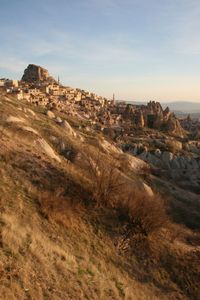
(81, 219)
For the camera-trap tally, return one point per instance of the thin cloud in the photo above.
(12, 65)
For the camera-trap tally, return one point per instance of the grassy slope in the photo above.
(51, 246)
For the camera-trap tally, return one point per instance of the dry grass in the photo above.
(60, 209)
(42, 260)
(59, 222)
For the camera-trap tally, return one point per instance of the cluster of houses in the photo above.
(9, 85)
(65, 99)
(38, 88)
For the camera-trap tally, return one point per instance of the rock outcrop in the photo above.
(153, 116)
(43, 146)
(50, 114)
(13, 119)
(173, 126)
(165, 159)
(34, 73)
(68, 129)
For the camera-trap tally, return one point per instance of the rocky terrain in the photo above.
(98, 200)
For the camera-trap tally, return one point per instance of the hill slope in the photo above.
(58, 239)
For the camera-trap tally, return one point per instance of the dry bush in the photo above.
(183, 270)
(146, 214)
(142, 214)
(106, 179)
(58, 208)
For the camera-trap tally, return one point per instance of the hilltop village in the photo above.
(39, 88)
(149, 132)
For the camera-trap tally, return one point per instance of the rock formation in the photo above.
(153, 116)
(192, 125)
(36, 74)
(173, 126)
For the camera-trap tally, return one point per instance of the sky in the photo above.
(138, 49)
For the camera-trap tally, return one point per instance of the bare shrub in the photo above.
(58, 208)
(146, 214)
(140, 214)
(106, 179)
(143, 215)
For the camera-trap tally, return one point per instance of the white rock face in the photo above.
(12, 119)
(148, 190)
(59, 120)
(108, 147)
(167, 159)
(138, 184)
(29, 111)
(68, 128)
(30, 129)
(136, 163)
(50, 114)
(46, 148)
(81, 138)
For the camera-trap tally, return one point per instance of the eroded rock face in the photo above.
(13, 119)
(174, 126)
(164, 159)
(69, 130)
(34, 73)
(153, 116)
(42, 145)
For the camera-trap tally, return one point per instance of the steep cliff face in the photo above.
(34, 73)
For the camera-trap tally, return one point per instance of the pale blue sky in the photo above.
(138, 49)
